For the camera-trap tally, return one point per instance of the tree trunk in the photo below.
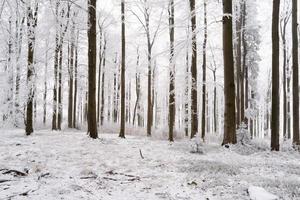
(296, 140)
(238, 62)
(275, 123)
(229, 86)
(92, 53)
(194, 98)
(31, 25)
(204, 103)
(136, 111)
(71, 84)
(45, 90)
(60, 109)
(75, 83)
(172, 72)
(123, 81)
(103, 85)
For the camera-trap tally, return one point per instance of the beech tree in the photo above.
(275, 78)
(194, 93)
(172, 72)
(92, 52)
(296, 140)
(229, 85)
(123, 81)
(32, 13)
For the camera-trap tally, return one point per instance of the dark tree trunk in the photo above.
(92, 59)
(31, 25)
(204, 102)
(60, 109)
(275, 78)
(229, 86)
(172, 72)
(296, 140)
(99, 74)
(45, 90)
(75, 84)
(194, 98)
(123, 81)
(71, 84)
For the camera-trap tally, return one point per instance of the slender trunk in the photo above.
(204, 103)
(172, 73)
(45, 90)
(71, 84)
(123, 81)
(75, 86)
(99, 75)
(296, 140)
(194, 98)
(59, 115)
(275, 78)
(137, 90)
(103, 85)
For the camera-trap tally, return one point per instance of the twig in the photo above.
(141, 154)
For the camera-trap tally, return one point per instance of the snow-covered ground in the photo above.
(69, 165)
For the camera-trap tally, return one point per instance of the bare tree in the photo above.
(296, 140)
(172, 72)
(92, 52)
(275, 78)
(32, 13)
(229, 86)
(123, 81)
(194, 98)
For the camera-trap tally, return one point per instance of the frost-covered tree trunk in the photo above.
(92, 59)
(229, 85)
(75, 83)
(275, 78)
(194, 94)
(45, 88)
(238, 59)
(296, 140)
(31, 28)
(171, 72)
(283, 29)
(71, 79)
(137, 107)
(103, 84)
(123, 81)
(204, 101)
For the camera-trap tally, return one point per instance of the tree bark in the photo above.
(194, 98)
(172, 72)
(92, 53)
(275, 78)
(204, 102)
(123, 81)
(229, 86)
(31, 25)
(296, 140)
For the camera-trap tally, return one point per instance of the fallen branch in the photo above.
(15, 172)
(4, 180)
(141, 154)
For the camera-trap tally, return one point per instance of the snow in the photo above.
(258, 193)
(69, 165)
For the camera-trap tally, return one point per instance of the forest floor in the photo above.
(69, 165)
